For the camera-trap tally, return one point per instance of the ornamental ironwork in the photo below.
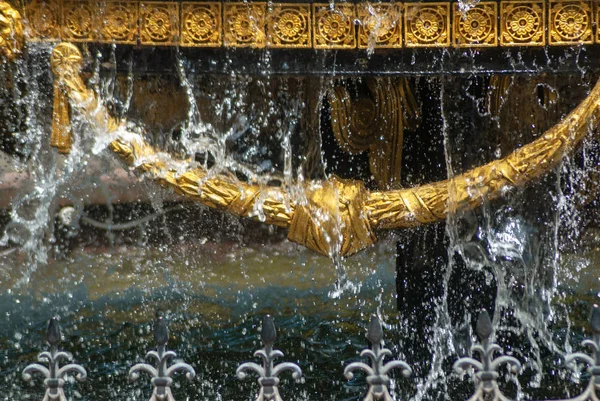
(427, 25)
(334, 26)
(268, 373)
(162, 373)
(476, 27)
(201, 24)
(592, 361)
(159, 23)
(380, 26)
(570, 22)
(120, 24)
(377, 373)
(288, 26)
(486, 368)
(54, 374)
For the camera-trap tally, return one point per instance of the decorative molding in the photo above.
(364, 25)
(522, 23)
(79, 21)
(427, 24)
(44, 20)
(289, 26)
(380, 26)
(244, 24)
(159, 23)
(201, 24)
(119, 23)
(333, 27)
(476, 27)
(570, 23)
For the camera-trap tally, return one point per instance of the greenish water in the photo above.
(214, 297)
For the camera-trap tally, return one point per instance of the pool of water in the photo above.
(214, 296)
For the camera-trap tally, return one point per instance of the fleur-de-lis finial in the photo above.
(377, 373)
(486, 369)
(593, 362)
(54, 375)
(268, 372)
(161, 375)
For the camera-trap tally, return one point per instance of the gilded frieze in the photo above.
(44, 20)
(79, 21)
(201, 24)
(476, 27)
(289, 25)
(522, 23)
(120, 22)
(320, 25)
(380, 25)
(159, 23)
(333, 27)
(244, 24)
(427, 24)
(570, 22)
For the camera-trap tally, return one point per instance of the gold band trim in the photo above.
(320, 26)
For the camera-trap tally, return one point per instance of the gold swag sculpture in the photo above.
(336, 216)
(11, 31)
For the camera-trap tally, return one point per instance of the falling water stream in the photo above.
(76, 245)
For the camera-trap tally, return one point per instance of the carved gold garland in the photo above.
(338, 25)
(335, 216)
(338, 216)
(11, 31)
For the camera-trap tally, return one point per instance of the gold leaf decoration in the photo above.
(427, 25)
(11, 32)
(522, 23)
(201, 24)
(334, 26)
(288, 25)
(350, 212)
(119, 24)
(380, 26)
(244, 24)
(597, 21)
(317, 25)
(44, 19)
(477, 26)
(570, 23)
(79, 22)
(159, 23)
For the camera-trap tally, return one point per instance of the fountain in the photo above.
(339, 168)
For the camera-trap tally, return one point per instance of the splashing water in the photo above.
(217, 274)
